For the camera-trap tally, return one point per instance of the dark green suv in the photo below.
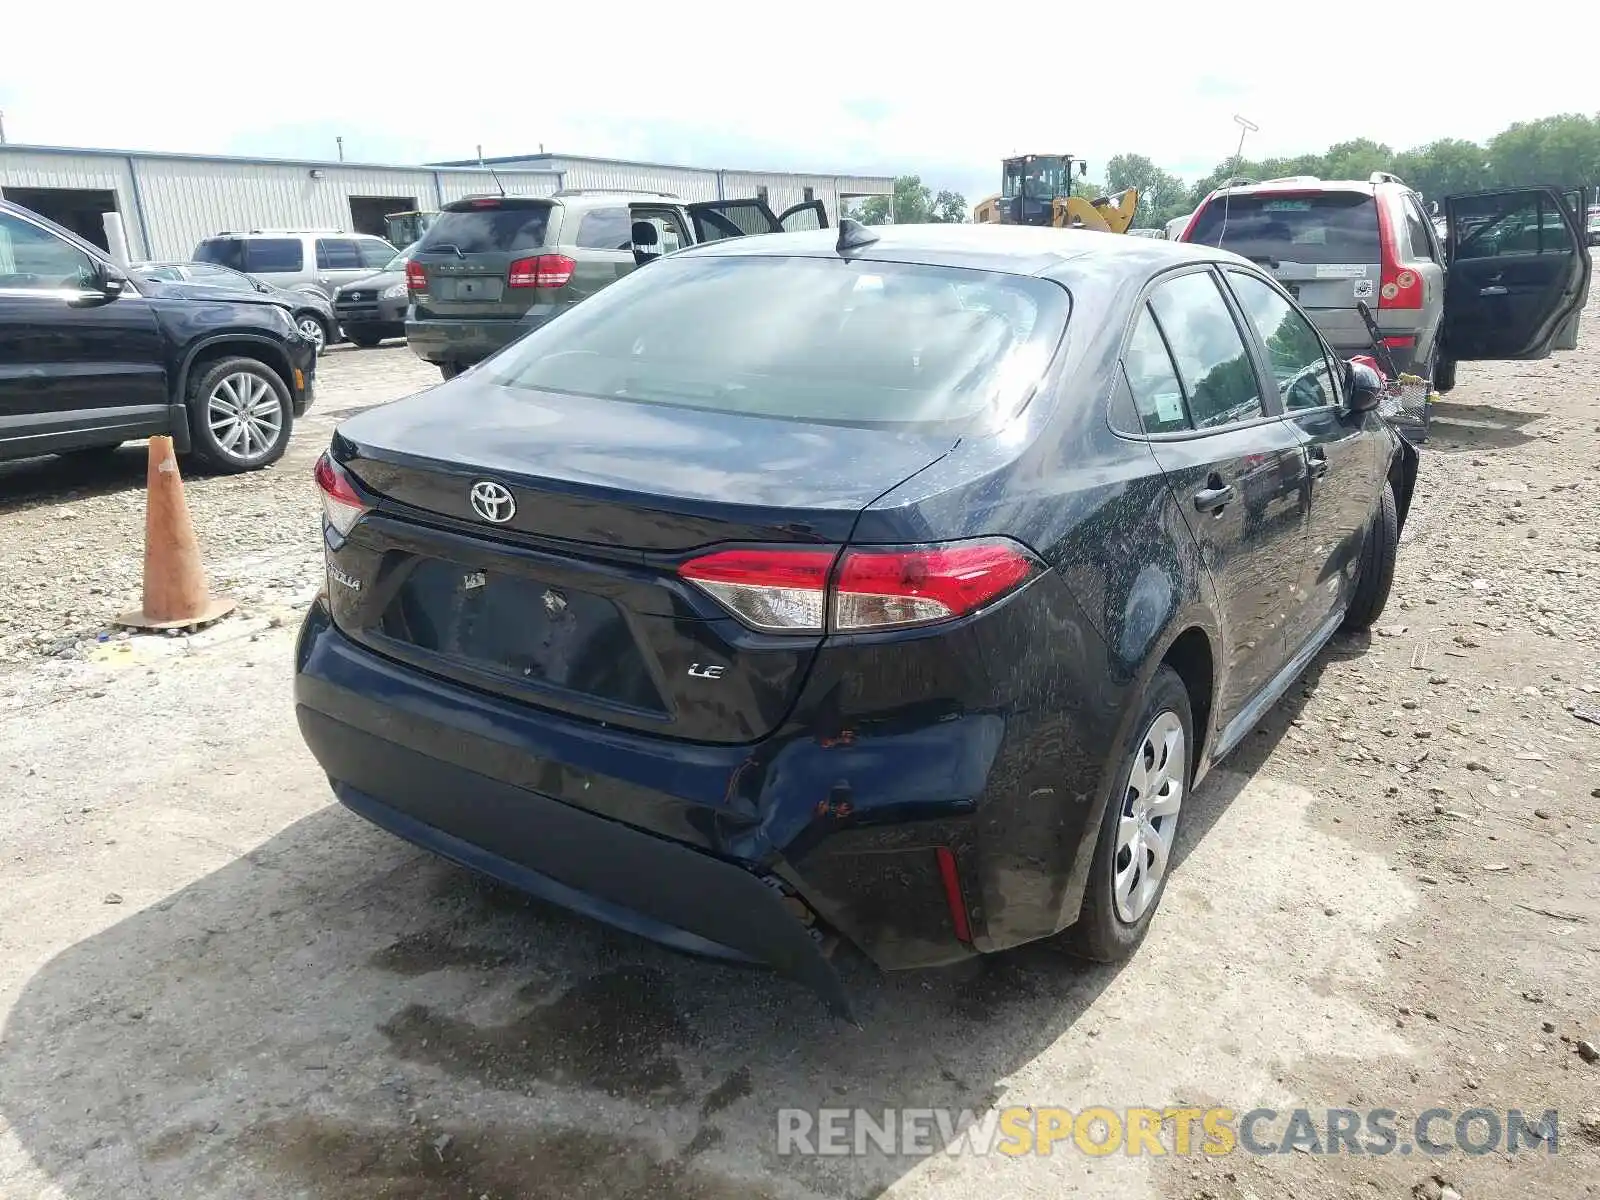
(493, 267)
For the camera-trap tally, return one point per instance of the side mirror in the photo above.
(106, 282)
(1364, 385)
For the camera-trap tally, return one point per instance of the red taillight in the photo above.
(1400, 343)
(889, 587)
(416, 277)
(340, 503)
(541, 271)
(484, 202)
(876, 587)
(1398, 286)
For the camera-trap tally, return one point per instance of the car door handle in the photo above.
(1494, 289)
(1317, 463)
(1215, 497)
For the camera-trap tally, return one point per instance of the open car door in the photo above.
(718, 219)
(1518, 275)
(808, 215)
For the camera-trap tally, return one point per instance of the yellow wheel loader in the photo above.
(1036, 189)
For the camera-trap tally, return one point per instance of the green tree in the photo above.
(914, 204)
(1162, 196)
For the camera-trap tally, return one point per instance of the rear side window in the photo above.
(229, 252)
(273, 254)
(800, 339)
(1218, 377)
(489, 230)
(1325, 227)
(1417, 232)
(605, 229)
(1157, 393)
(337, 254)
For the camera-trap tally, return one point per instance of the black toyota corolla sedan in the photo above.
(891, 584)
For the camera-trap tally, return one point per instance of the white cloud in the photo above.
(943, 90)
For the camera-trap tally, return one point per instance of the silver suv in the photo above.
(303, 260)
(1469, 295)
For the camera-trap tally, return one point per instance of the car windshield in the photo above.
(1322, 227)
(477, 231)
(819, 340)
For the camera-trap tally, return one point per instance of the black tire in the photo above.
(309, 316)
(1375, 568)
(364, 338)
(204, 385)
(1444, 375)
(1101, 933)
(449, 369)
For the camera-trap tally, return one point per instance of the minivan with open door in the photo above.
(1517, 276)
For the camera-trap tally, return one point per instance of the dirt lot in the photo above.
(214, 983)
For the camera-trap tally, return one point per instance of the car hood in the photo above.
(379, 281)
(174, 290)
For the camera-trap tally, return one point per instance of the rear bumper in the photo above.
(390, 761)
(602, 869)
(1347, 333)
(373, 312)
(463, 341)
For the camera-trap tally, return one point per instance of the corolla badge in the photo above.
(492, 501)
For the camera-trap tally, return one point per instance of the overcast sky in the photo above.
(781, 86)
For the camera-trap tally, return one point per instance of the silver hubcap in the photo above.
(1149, 816)
(245, 415)
(312, 328)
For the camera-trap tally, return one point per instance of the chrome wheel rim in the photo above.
(1148, 819)
(312, 328)
(245, 416)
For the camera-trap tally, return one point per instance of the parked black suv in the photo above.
(93, 357)
(491, 268)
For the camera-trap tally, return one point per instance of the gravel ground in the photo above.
(215, 983)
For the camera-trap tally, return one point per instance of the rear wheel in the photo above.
(241, 415)
(1138, 830)
(1375, 568)
(1444, 375)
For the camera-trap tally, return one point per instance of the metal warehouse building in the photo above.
(779, 189)
(169, 202)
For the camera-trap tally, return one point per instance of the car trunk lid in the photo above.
(568, 597)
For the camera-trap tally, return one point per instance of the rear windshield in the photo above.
(818, 340)
(487, 230)
(1328, 227)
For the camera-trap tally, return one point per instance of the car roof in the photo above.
(1305, 183)
(1013, 249)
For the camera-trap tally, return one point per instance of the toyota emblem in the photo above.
(493, 502)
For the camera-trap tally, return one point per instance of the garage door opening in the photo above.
(79, 209)
(367, 212)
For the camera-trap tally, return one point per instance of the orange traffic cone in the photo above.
(175, 593)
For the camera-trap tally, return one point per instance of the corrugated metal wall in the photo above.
(169, 204)
(695, 183)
